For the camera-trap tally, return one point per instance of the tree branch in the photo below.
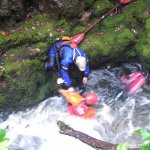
(95, 143)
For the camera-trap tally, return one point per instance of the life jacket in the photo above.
(73, 98)
(81, 110)
(73, 41)
(77, 105)
(68, 41)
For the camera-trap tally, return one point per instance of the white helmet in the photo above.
(81, 62)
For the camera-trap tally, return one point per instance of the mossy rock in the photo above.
(100, 6)
(40, 28)
(26, 79)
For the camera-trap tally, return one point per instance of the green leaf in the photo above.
(145, 147)
(122, 146)
(144, 133)
(2, 134)
(146, 138)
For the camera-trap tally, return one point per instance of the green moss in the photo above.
(41, 45)
(78, 29)
(131, 53)
(100, 6)
(148, 28)
(2, 98)
(143, 50)
(40, 51)
(41, 17)
(104, 45)
(142, 9)
(63, 24)
(27, 79)
(89, 3)
(143, 45)
(47, 88)
(62, 126)
(31, 32)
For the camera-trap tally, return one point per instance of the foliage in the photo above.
(3, 139)
(122, 147)
(145, 145)
(145, 133)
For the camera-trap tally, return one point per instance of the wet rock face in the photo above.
(17, 9)
(66, 8)
(4, 8)
(12, 11)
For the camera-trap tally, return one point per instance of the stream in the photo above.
(36, 128)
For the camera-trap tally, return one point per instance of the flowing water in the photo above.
(36, 128)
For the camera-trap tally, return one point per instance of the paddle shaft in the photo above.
(90, 28)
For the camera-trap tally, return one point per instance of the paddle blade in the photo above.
(77, 38)
(125, 1)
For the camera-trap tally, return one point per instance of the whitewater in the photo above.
(36, 128)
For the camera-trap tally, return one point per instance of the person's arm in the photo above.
(86, 73)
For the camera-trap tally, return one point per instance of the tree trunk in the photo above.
(95, 143)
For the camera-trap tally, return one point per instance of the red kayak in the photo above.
(133, 82)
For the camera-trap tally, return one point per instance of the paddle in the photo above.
(79, 37)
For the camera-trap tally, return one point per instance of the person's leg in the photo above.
(51, 63)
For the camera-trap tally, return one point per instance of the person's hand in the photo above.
(71, 89)
(84, 81)
(60, 81)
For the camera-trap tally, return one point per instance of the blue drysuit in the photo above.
(67, 56)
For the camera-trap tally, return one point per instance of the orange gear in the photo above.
(73, 98)
(81, 110)
(67, 38)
